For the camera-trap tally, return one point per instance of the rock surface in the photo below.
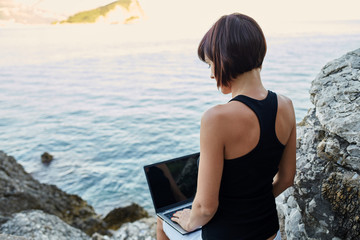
(324, 202)
(143, 229)
(10, 237)
(35, 224)
(117, 217)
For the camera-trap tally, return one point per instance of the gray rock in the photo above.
(36, 224)
(97, 236)
(335, 94)
(144, 229)
(324, 202)
(11, 237)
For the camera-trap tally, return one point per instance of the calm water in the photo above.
(104, 104)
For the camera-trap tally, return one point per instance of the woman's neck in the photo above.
(249, 84)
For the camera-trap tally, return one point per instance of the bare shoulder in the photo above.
(214, 114)
(284, 102)
(212, 127)
(285, 106)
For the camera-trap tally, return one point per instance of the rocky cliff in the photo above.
(324, 201)
(37, 211)
(19, 192)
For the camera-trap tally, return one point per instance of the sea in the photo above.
(105, 101)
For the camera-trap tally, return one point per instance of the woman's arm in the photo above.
(210, 172)
(287, 167)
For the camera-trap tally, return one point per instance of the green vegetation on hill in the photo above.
(92, 15)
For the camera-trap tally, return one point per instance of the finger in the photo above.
(174, 219)
(177, 214)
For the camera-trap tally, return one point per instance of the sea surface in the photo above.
(104, 103)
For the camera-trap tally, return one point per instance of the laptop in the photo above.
(172, 184)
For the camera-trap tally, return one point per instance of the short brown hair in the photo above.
(235, 44)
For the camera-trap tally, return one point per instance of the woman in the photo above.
(247, 146)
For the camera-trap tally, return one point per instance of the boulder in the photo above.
(324, 202)
(143, 229)
(117, 217)
(35, 224)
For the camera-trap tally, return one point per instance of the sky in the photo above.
(275, 15)
(277, 9)
(194, 16)
(264, 9)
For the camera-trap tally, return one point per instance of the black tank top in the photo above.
(247, 207)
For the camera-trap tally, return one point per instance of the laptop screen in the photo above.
(172, 182)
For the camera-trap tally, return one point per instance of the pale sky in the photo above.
(198, 15)
(270, 14)
(276, 9)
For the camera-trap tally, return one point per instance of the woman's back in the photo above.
(242, 129)
(252, 152)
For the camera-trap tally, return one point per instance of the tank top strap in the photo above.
(265, 110)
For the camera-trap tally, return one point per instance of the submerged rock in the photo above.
(46, 158)
(324, 202)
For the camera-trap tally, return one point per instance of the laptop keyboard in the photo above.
(170, 214)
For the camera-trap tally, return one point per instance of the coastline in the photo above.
(31, 209)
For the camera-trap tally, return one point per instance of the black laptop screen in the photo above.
(172, 181)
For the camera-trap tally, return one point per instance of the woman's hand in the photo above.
(182, 218)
